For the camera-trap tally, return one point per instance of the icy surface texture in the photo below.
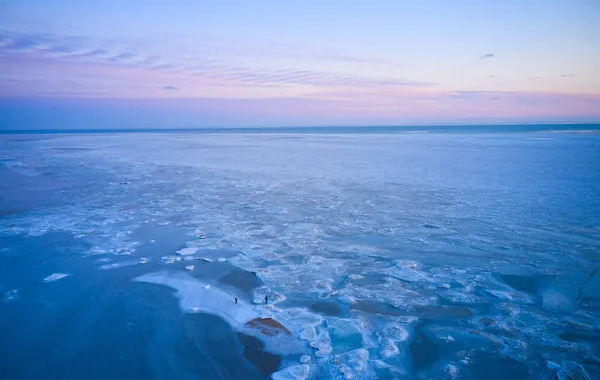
(390, 256)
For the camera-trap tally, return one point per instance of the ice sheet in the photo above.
(491, 241)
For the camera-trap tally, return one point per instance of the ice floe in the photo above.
(187, 251)
(297, 372)
(55, 277)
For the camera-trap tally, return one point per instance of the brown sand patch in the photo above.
(268, 326)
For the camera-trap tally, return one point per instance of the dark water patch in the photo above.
(327, 308)
(242, 280)
(584, 336)
(330, 307)
(177, 218)
(590, 290)
(482, 307)
(344, 336)
(439, 313)
(158, 240)
(591, 255)
(375, 307)
(493, 366)
(29, 259)
(533, 284)
(77, 329)
(294, 259)
(254, 351)
(424, 351)
(9, 212)
(22, 192)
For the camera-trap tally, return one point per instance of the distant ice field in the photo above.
(352, 256)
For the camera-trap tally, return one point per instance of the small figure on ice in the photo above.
(266, 299)
(236, 300)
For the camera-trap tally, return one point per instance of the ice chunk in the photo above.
(297, 372)
(189, 267)
(555, 300)
(221, 259)
(357, 360)
(552, 365)
(55, 277)
(354, 277)
(118, 264)
(37, 232)
(345, 335)
(451, 370)
(123, 251)
(309, 333)
(171, 259)
(304, 359)
(187, 251)
(270, 256)
(143, 260)
(352, 364)
(389, 337)
(11, 295)
(323, 348)
(405, 270)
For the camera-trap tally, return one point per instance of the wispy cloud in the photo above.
(487, 56)
(171, 88)
(568, 75)
(200, 63)
(535, 78)
(491, 76)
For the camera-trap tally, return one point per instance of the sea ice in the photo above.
(119, 264)
(304, 359)
(55, 277)
(11, 295)
(344, 334)
(297, 372)
(187, 251)
(171, 259)
(309, 333)
(451, 370)
(194, 293)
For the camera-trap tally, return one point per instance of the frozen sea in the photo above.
(429, 255)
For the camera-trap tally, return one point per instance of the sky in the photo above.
(191, 64)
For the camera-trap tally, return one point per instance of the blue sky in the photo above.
(273, 63)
